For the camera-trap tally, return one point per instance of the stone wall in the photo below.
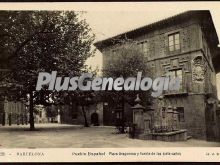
(158, 41)
(110, 113)
(74, 115)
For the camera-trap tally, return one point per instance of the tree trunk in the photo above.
(85, 118)
(3, 119)
(31, 112)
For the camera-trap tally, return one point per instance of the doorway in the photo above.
(95, 119)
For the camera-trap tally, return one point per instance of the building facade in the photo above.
(183, 46)
(73, 114)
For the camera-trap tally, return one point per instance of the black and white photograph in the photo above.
(110, 79)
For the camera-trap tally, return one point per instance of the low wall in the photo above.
(180, 135)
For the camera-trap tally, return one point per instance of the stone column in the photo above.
(138, 116)
(176, 119)
(162, 115)
(148, 121)
(170, 118)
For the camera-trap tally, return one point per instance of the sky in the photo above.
(108, 23)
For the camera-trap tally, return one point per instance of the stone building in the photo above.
(74, 115)
(185, 46)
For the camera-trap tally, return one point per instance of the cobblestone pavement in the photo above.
(70, 136)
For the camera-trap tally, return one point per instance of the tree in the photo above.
(126, 62)
(35, 41)
(84, 99)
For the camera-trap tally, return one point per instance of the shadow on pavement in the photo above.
(40, 127)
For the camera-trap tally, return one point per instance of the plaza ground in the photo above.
(70, 136)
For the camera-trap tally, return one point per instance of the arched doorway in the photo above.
(95, 119)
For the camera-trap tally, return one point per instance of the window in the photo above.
(174, 42)
(180, 110)
(144, 46)
(177, 73)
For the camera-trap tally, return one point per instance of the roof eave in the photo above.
(177, 18)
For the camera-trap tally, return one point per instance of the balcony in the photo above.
(184, 91)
